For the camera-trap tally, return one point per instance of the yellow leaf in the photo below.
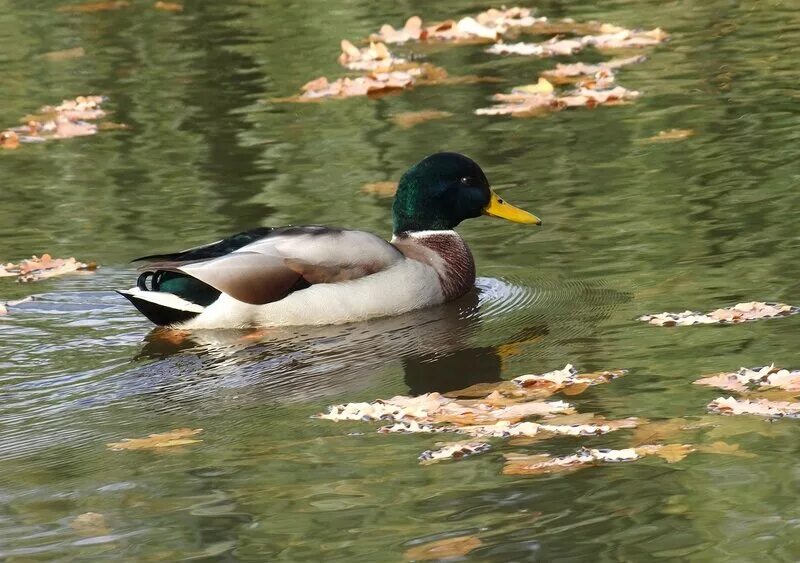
(542, 87)
(178, 437)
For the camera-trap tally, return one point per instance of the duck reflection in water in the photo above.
(435, 349)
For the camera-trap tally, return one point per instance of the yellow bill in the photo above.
(500, 208)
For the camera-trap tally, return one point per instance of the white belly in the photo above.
(406, 286)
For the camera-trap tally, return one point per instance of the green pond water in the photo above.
(630, 227)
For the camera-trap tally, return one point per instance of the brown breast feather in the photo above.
(447, 253)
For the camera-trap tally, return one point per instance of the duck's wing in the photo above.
(284, 260)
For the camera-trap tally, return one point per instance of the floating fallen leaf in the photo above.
(671, 453)
(751, 311)
(519, 103)
(543, 86)
(456, 450)
(168, 6)
(626, 39)
(90, 524)
(504, 20)
(443, 549)
(672, 135)
(759, 379)
(409, 119)
(435, 408)
(66, 120)
(412, 30)
(544, 463)
(379, 83)
(723, 448)
(64, 55)
(658, 430)
(758, 407)
(178, 437)
(550, 48)
(37, 268)
(375, 57)
(382, 189)
(9, 139)
(90, 7)
(565, 73)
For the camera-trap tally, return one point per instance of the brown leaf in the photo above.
(443, 549)
(168, 6)
(760, 407)
(90, 7)
(37, 268)
(565, 73)
(381, 189)
(740, 312)
(672, 135)
(409, 119)
(178, 437)
(726, 381)
(90, 524)
(9, 139)
(64, 55)
(575, 389)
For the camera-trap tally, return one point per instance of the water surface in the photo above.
(630, 227)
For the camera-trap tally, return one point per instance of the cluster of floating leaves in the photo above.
(71, 118)
(739, 313)
(756, 383)
(535, 99)
(387, 72)
(37, 268)
(499, 411)
(611, 37)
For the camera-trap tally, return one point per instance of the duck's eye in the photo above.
(464, 180)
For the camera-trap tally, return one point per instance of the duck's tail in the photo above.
(160, 307)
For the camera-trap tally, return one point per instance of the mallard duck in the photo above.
(314, 275)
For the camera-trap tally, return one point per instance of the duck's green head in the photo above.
(442, 190)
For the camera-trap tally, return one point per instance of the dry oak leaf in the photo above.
(626, 39)
(550, 48)
(543, 463)
(455, 450)
(178, 437)
(412, 30)
(90, 7)
(741, 312)
(374, 57)
(758, 407)
(36, 268)
(443, 549)
(90, 524)
(565, 73)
